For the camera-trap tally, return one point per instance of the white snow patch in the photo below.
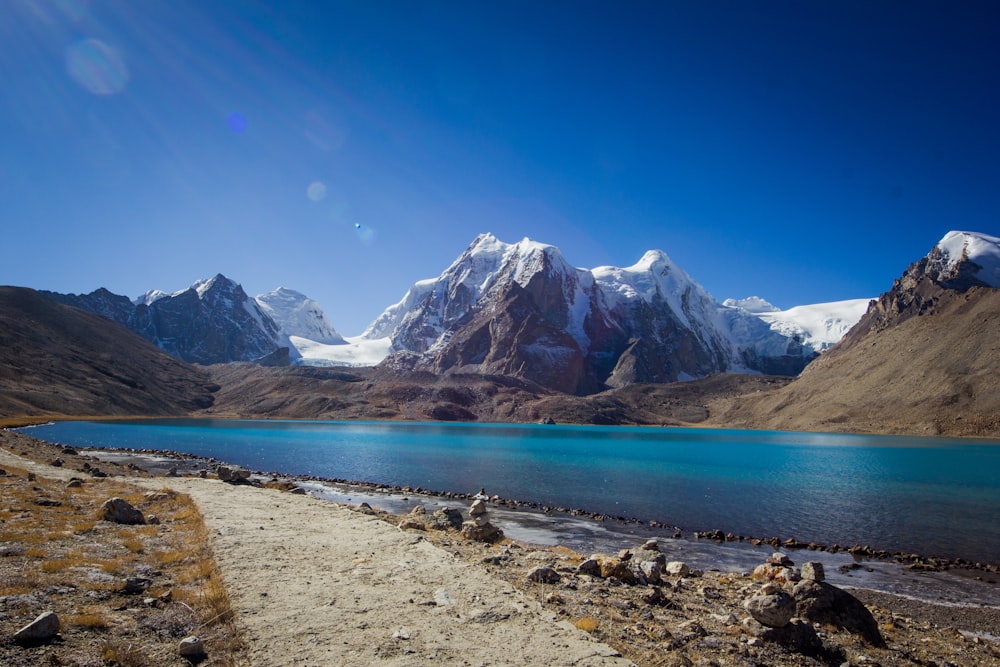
(819, 325)
(355, 351)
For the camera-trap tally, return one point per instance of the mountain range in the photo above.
(516, 310)
(510, 332)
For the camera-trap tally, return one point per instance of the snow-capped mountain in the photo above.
(213, 321)
(521, 309)
(298, 315)
(965, 258)
(818, 326)
(959, 262)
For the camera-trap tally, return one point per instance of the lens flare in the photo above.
(365, 233)
(96, 67)
(316, 190)
(237, 122)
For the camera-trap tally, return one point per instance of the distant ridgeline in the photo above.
(213, 321)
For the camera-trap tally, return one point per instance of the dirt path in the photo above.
(318, 584)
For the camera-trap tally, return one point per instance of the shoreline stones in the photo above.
(916, 561)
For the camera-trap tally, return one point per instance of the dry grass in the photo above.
(65, 558)
(587, 624)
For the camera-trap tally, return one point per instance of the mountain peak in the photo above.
(967, 255)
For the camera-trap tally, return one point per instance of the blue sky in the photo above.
(800, 151)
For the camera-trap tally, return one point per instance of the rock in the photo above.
(485, 533)
(411, 524)
(820, 602)
(68, 451)
(136, 585)
(656, 597)
(590, 567)
(478, 508)
(446, 519)
(544, 575)
(74, 484)
(676, 568)
(233, 475)
(419, 509)
(42, 629)
(651, 545)
(774, 611)
(191, 647)
(153, 520)
(778, 573)
(118, 510)
(2, 472)
(56, 463)
(778, 558)
(813, 571)
(651, 571)
(617, 568)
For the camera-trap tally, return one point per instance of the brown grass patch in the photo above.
(71, 561)
(91, 618)
(587, 624)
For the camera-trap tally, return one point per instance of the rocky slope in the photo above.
(925, 358)
(59, 360)
(213, 321)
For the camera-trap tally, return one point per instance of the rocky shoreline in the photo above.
(860, 552)
(653, 610)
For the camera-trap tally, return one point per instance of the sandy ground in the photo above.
(314, 583)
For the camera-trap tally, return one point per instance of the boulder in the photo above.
(42, 629)
(820, 602)
(118, 510)
(775, 610)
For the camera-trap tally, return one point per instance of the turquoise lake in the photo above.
(932, 496)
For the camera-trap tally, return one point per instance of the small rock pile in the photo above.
(791, 597)
(478, 527)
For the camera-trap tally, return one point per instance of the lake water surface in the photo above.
(933, 496)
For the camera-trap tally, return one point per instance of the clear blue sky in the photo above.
(803, 151)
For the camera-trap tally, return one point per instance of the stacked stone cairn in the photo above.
(478, 527)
